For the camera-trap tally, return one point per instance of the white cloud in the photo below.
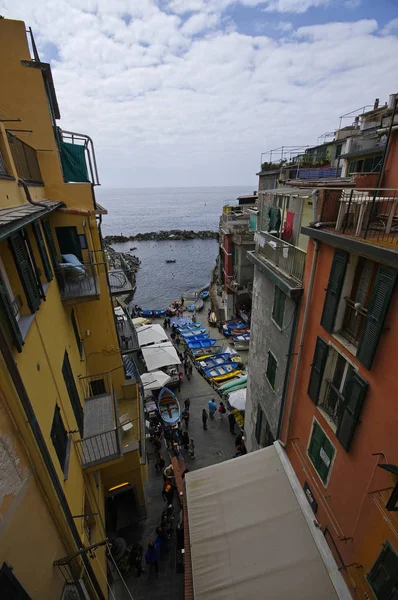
(166, 106)
(293, 6)
(284, 26)
(391, 28)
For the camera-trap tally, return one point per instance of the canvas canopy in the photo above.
(252, 533)
(155, 380)
(160, 355)
(150, 334)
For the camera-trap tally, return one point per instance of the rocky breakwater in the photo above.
(128, 263)
(173, 234)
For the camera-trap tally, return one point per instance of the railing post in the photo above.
(348, 210)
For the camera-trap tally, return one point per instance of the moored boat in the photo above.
(153, 313)
(204, 294)
(201, 343)
(190, 327)
(197, 338)
(168, 406)
(194, 332)
(201, 354)
(218, 359)
(199, 304)
(223, 372)
(241, 379)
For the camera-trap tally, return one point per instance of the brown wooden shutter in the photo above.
(42, 250)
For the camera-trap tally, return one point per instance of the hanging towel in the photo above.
(288, 230)
(274, 219)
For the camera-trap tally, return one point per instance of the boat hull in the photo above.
(231, 384)
(201, 344)
(153, 313)
(218, 359)
(205, 294)
(168, 406)
(222, 372)
(198, 332)
(201, 354)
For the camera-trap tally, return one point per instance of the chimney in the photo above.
(391, 101)
(376, 104)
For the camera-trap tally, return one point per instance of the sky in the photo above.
(191, 92)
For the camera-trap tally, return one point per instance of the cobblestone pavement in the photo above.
(212, 446)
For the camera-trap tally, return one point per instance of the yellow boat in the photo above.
(222, 372)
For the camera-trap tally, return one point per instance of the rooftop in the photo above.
(16, 217)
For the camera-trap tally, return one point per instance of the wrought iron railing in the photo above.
(80, 139)
(290, 259)
(370, 214)
(78, 281)
(25, 160)
(333, 402)
(3, 168)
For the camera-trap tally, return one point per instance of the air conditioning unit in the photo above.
(70, 591)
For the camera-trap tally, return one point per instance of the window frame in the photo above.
(327, 383)
(278, 294)
(270, 353)
(7, 572)
(71, 388)
(375, 570)
(316, 423)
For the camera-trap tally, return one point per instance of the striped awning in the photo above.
(16, 217)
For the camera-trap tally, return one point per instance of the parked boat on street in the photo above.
(204, 294)
(201, 344)
(218, 359)
(201, 354)
(168, 406)
(153, 313)
(223, 372)
(193, 333)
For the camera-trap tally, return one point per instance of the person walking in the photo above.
(187, 404)
(189, 371)
(159, 465)
(204, 418)
(151, 556)
(191, 448)
(168, 473)
(185, 440)
(185, 417)
(165, 324)
(212, 408)
(232, 422)
(222, 410)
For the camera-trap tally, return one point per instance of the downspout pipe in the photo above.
(28, 196)
(41, 444)
(301, 342)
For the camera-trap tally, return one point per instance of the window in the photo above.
(278, 309)
(72, 391)
(42, 250)
(339, 148)
(338, 390)
(25, 269)
(320, 451)
(59, 437)
(97, 387)
(358, 301)
(10, 588)
(263, 433)
(68, 241)
(259, 421)
(79, 341)
(3, 169)
(271, 369)
(383, 578)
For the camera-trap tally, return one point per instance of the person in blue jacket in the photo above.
(212, 408)
(152, 555)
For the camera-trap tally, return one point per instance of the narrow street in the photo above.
(212, 446)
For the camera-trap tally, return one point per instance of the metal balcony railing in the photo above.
(353, 322)
(25, 160)
(101, 442)
(78, 282)
(85, 141)
(286, 257)
(333, 402)
(236, 287)
(370, 214)
(3, 169)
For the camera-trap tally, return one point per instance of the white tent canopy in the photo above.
(252, 533)
(155, 380)
(237, 399)
(160, 355)
(151, 334)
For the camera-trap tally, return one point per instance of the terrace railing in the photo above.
(285, 256)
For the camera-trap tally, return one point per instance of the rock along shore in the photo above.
(126, 261)
(173, 234)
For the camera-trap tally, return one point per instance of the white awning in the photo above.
(160, 355)
(155, 380)
(237, 399)
(252, 533)
(150, 334)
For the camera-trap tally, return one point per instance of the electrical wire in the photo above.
(105, 577)
(117, 569)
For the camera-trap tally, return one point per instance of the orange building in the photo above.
(341, 416)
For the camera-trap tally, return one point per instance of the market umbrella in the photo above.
(151, 334)
(237, 399)
(155, 380)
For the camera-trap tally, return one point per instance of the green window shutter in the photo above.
(50, 242)
(333, 291)
(25, 271)
(278, 308)
(72, 392)
(42, 250)
(382, 291)
(59, 437)
(7, 308)
(271, 369)
(320, 451)
(355, 397)
(318, 367)
(316, 442)
(259, 423)
(79, 341)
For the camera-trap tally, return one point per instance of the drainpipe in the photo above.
(42, 446)
(301, 343)
(28, 196)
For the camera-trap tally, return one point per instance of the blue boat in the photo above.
(168, 406)
(189, 334)
(207, 343)
(218, 359)
(190, 327)
(197, 338)
(204, 295)
(153, 313)
(224, 371)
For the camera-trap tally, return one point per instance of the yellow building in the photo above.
(72, 462)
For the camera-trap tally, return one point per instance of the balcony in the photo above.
(323, 173)
(243, 235)
(238, 288)
(78, 159)
(128, 340)
(78, 283)
(370, 215)
(286, 257)
(363, 146)
(119, 282)
(25, 160)
(101, 443)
